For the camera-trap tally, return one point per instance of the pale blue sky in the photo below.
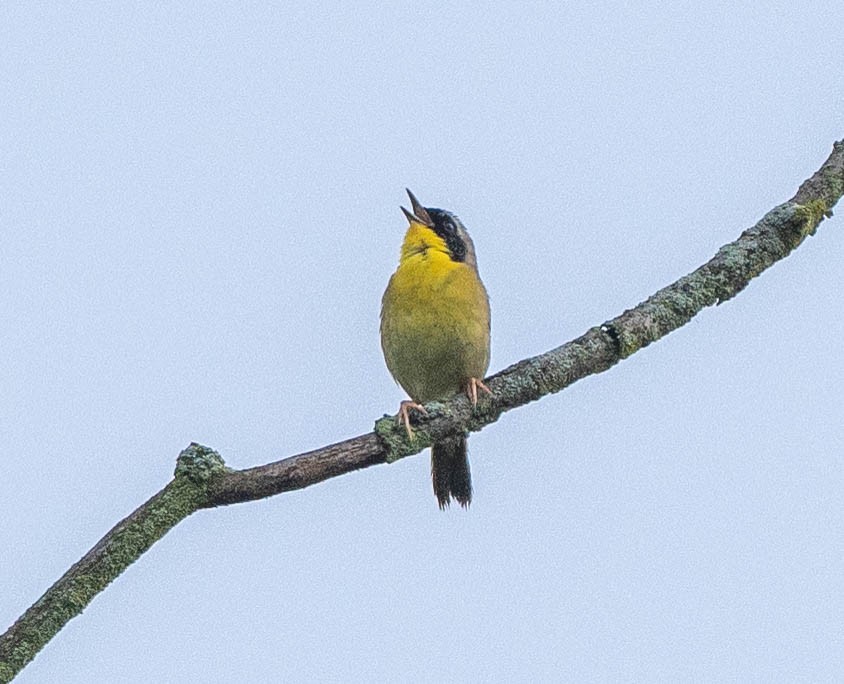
(199, 213)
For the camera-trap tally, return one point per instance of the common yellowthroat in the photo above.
(435, 332)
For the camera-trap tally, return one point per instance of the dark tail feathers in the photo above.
(450, 471)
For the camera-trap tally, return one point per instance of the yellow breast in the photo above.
(434, 319)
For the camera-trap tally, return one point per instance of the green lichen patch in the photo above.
(395, 439)
(199, 463)
(812, 213)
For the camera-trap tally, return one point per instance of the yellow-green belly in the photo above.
(435, 327)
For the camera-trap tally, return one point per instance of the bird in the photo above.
(435, 333)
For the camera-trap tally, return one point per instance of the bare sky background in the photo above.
(199, 213)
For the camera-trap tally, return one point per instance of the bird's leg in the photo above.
(472, 390)
(404, 415)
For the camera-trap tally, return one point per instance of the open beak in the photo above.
(419, 213)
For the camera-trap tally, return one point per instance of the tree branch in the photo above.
(202, 479)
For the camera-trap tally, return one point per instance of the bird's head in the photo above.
(438, 229)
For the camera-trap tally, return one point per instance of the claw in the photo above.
(472, 390)
(403, 415)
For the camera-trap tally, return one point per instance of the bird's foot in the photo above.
(472, 388)
(403, 415)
